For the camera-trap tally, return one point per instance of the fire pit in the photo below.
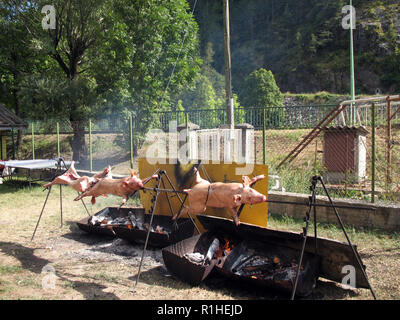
(99, 223)
(256, 262)
(263, 256)
(186, 259)
(163, 232)
(268, 265)
(132, 224)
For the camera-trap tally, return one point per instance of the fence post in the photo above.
(33, 141)
(131, 139)
(58, 140)
(373, 153)
(187, 134)
(90, 146)
(264, 140)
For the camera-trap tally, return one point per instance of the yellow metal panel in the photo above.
(256, 214)
(3, 150)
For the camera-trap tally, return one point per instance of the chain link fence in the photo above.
(357, 153)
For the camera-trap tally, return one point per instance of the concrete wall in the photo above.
(386, 217)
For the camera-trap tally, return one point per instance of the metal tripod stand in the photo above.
(61, 169)
(157, 191)
(312, 207)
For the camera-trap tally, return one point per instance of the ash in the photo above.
(92, 248)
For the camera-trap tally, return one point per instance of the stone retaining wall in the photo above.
(386, 217)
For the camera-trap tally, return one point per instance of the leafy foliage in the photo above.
(260, 90)
(105, 57)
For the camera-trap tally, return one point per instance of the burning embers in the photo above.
(132, 224)
(251, 260)
(133, 220)
(217, 250)
(263, 265)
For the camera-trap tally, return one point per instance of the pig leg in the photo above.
(235, 216)
(90, 192)
(105, 174)
(66, 178)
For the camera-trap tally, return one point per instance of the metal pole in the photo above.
(58, 140)
(149, 230)
(388, 138)
(347, 237)
(228, 73)
(187, 135)
(90, 145)
(13, 142)
(373, 153)
(264, 140)
(131, 139)
(40, 216)
(33, 141)
(61, 207)
(352, 82)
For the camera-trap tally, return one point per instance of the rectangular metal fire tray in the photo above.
(169, 236)
(85, 225)
(181, 267)
(170, 233)
(333, 255)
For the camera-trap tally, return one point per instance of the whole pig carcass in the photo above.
(222, 195)
(124, 187)
(75, 181)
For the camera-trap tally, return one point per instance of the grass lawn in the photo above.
(89, 267)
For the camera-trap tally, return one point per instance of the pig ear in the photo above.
(237, 199)
(133, 172)
(246, 180)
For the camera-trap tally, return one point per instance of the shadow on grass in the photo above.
(11, 186)
(87, 238)
(328, 290)
(25, 255)
(216, 283)
(90, 290)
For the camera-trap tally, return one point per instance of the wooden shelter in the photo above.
(8, 122)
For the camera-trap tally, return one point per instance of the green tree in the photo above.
(261, 90)
(17, 59)
(107, 56)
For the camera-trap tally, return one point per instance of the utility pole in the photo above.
(228, 75)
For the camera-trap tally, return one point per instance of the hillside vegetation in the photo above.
(304, 44)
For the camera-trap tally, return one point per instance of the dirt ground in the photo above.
(94, 267)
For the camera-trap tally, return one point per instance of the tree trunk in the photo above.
(78, 143)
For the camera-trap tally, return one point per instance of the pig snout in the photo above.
(253, 197)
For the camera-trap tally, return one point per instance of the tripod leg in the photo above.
(305, 231)
(358, 258)
(181, 201)
(40, 216)
(84, 204)
(61, 207)
(148, 231)
(315, 226)
(166, 195)
(311, 205)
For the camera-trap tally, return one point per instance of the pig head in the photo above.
(222, 195)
